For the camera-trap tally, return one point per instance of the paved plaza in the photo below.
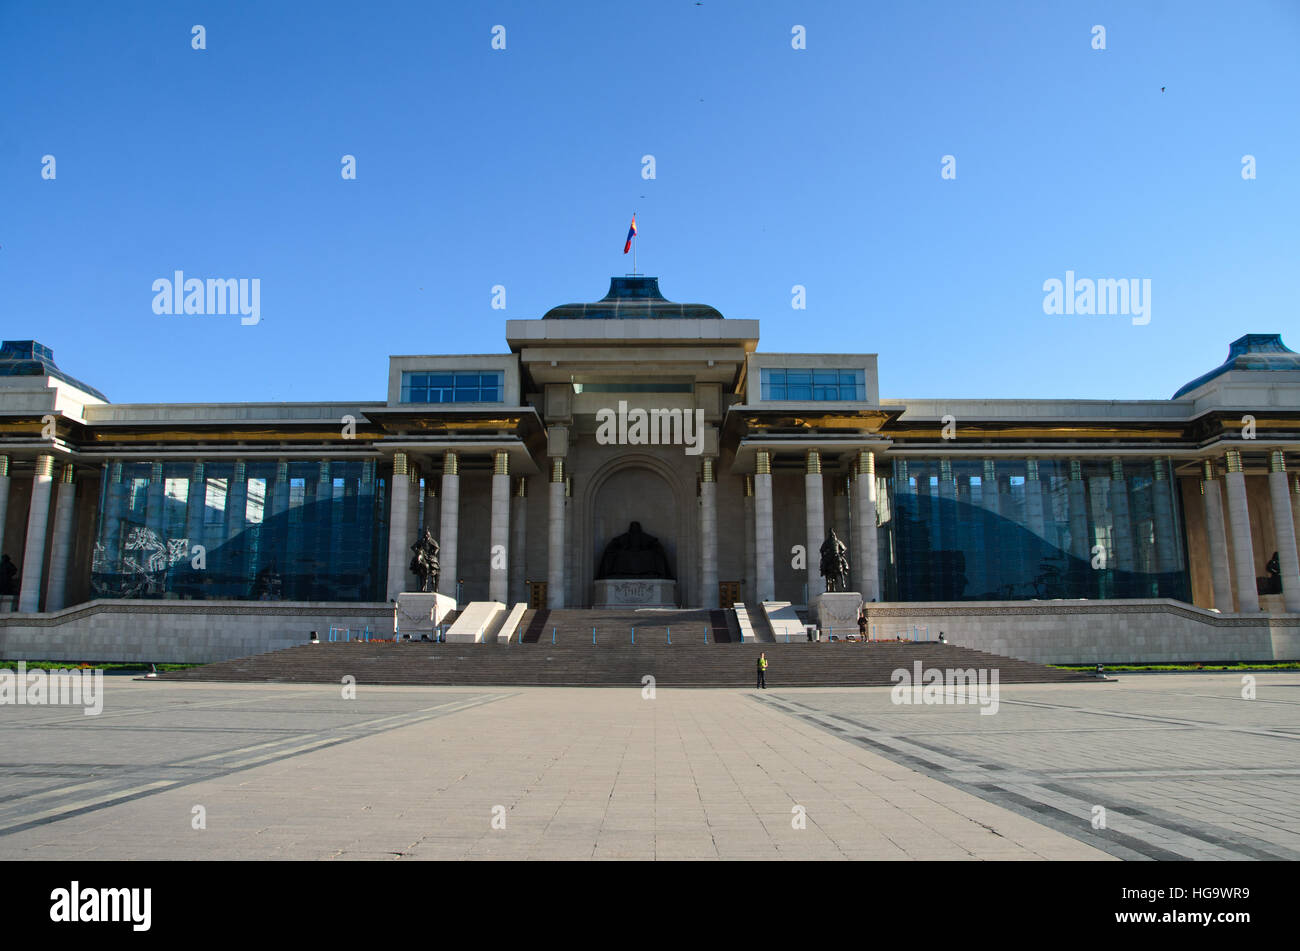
(1181, 764)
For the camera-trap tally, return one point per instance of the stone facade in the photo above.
(525, 464)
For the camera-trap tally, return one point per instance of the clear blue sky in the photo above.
(775, 167)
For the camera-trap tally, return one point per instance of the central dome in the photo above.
(632, 298)
(1251, 352)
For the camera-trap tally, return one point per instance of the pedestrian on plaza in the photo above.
(942, 639)
(862, 623)
(762, 672)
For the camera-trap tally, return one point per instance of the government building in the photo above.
(641, 453)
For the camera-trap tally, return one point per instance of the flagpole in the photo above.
(634, 246)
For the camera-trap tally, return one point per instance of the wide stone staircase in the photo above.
(613, 660)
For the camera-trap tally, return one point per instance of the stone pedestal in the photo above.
(420, 612)
(634, 593)
(836, 612)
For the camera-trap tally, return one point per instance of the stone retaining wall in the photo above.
(1090, 632)
(180, 632)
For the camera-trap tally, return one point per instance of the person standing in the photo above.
(762, 672)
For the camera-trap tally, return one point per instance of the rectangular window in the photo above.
(817, 385)
(458, 387)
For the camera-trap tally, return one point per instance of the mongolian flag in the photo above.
(631, 233)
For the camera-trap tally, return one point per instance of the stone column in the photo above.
(236, 555)
(155, 500)
(764, 552)
(1162, 504)
(450, 516)
(1243, 550)
(432, 515)
(4, 497)
(814, 511)
(989, 495)
(555, 595)
(1077, 497)
(279, 502)
(499, 530)
(1284, 528)
(1220, 576)
(1121, 523)
(413, 528)
(65, 507)
(1295, 502)
(708, 534)
(196, 499)
(571, 586)
(519, 541)
(399, 513)
(38, 515)
(747, 588)
(840, 507)
(947, 508)
(1034, 499)
(320, 530)
(867, 560)
(115, 496)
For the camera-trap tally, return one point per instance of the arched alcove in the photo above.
(636, 487)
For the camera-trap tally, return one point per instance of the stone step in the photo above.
(722, 665)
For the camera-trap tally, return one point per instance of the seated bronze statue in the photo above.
(634, 554)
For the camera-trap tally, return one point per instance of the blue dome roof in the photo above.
(29, 358)
(632, 298)
(1251, 352)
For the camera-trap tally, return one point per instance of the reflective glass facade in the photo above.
(810, 384)
(294, 531)
(1002, 528)
(448, 387)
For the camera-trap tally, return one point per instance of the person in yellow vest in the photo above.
(762, 671)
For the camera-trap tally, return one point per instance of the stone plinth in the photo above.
(420, 612)
(634, 593)
(837, 612)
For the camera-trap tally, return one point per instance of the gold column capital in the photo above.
(45, 466)
(451, 462)
(1276, 461)
(501, 462)
(866, 463)
(762, 462)
(813, 462)
(1232, 459)
(557, 469)
(707, 474)
(749, 486)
